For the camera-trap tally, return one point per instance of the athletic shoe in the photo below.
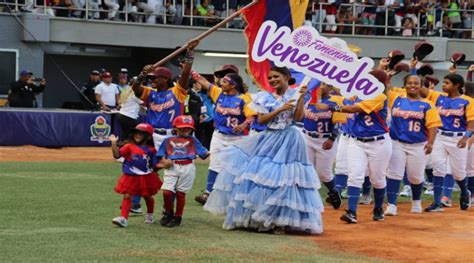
(406, 191)
(464, 201)
(378, 214)
(416, 207)
(167, 217)
(456, 188)
(120, 160)
(349, 217)
(429, 190)
(344, 193)
(149, 219)
(202, 199)
(434, 207)
(120, 221)
(446, 202)
(136, 209)
(175, 221)
(365, 200)
(391, 210)
(334, 198)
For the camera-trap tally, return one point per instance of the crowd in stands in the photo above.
(445, 18)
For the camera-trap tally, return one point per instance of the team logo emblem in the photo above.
(100, 130)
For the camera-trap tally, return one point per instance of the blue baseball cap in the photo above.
(26, 72)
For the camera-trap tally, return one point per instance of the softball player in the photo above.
(232, 117)
(457, 114)
(370, 147)
(413, 130)
(320, 134)
(469, 91)
(164, 101)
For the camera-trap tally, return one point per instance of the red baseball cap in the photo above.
(144, 127)
(226, 69)
(395, 57)
(458, 58)
(183, 121)
(162, 72)
(106, 75)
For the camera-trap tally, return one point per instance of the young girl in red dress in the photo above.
(138, 176)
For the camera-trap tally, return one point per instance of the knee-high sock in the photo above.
(150, 205)
(353, 197)
(463, 186)
(448, 186)
(168, 201)
(393, 186)
(379, 195)
(470, 185)
(330, 185)
(416, 190)
(180, 203)
(438, 182)
(429, 175)
(366, 186)
(126, 205)
(341, 182)
(405, 179)
(136, 200)
(211, 179)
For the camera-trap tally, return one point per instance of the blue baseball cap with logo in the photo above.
(26, 72)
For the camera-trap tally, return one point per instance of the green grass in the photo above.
(59, 212)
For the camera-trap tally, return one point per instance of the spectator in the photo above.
(41, 7)
(410, 11)
(113, 7)
(368, 17)
(23, 91)
(407, 27)
(385, 7)
(122, 80)
(344, 16)
(79, 4)
(430, 18)
(193, 104)
(447, 27)
(94, 6)
(331, 11)
(467, 18)
(107, 93)
(88, 90)
(399, 15)
(205, 10)
(319, 16)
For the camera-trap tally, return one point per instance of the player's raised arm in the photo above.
(188, 63)
(137, 84)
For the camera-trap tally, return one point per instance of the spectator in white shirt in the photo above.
(130, 107)
(107, 94)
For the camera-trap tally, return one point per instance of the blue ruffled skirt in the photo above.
(268, 181)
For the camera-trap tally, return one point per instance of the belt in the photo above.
(183, 162)
(346, 134)
(162, 131)
(317, 135)
(370, 139)
(405, 142)
(452, 134)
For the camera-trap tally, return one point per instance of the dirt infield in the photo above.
(436, 237)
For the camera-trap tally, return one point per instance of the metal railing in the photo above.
(181, 13)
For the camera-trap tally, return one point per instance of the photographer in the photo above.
(22, 92)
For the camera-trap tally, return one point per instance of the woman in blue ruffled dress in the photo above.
(268, 183)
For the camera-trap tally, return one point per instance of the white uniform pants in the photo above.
(322, 160)
(158, 139)
(179, 178)
(331, 20)
(470, 162)
(218, 142)
(445, 147)
(374, 155)
(411, 157)
(341, 156)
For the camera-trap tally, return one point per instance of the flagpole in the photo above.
(204, 34)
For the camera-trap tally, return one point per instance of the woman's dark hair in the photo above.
(469, 89)
(238, 82)
(285, 72)
(148, 138)
(405, 79)
(456, 79)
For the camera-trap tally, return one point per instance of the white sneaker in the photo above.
(416, 207)
(149, 219)
(120, 160)
(456, 188)
(391, 210)
(365, 200)
(120, 221)
(406, 191)
(429, 190)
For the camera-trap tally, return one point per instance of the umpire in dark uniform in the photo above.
(88, 91)
(23, 91)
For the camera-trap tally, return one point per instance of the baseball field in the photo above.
(57, 205)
